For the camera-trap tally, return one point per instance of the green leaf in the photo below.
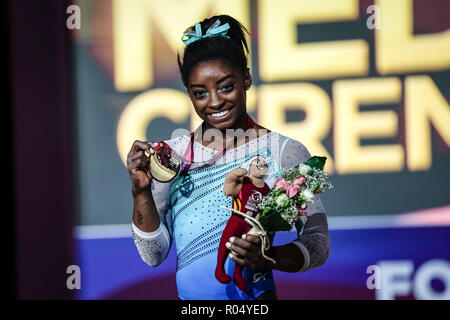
(316, 162)
(316, 187)
(273, 222)
(285, 204)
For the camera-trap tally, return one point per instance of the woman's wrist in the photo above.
(271, 254)
(288, 257)
(141, 193)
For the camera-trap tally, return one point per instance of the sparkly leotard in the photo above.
(189, 208)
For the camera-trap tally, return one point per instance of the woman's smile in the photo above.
(217, 117)
(220, 115)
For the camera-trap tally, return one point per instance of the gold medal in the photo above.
(164, 164)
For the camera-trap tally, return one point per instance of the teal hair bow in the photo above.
(216, 30)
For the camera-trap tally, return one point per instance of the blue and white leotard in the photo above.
(190, 210)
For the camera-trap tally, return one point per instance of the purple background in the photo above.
(112, 268)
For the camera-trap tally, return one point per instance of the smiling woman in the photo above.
(215, 73)
(217, 91)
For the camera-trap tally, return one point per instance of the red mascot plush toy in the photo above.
(247, 193)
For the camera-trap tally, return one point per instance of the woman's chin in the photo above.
(221, 124)
(231, 120)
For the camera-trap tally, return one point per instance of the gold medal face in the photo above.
(164, 166)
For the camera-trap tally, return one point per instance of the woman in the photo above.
(215, 73)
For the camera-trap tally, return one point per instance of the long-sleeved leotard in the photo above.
(196, 221)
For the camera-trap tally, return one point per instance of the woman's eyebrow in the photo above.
(217, 82)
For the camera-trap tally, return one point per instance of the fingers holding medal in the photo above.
(138, 163)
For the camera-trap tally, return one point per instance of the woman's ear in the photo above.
(247, 79)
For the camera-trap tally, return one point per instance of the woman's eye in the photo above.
(227, 88)
(200, 94)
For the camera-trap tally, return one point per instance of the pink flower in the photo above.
(281, 184)
(292, 190)
(302, 212)
(299, 180)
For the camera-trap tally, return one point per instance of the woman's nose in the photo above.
(215, 101)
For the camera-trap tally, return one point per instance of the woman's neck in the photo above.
(242, 123)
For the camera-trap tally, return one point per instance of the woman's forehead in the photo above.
(213, 70)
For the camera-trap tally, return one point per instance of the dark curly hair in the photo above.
(232, 49)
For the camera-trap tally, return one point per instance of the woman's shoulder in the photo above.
(286, 143)
(278, 138)
(289, 152)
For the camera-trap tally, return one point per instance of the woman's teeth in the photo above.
(220, 114)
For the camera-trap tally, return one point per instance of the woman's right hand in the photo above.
(138, 165)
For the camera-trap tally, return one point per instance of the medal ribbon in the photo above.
(189, 153)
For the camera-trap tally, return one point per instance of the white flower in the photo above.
(307, 195)
(281, 198)
(304, 169)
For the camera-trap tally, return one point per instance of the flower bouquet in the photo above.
(288, 199)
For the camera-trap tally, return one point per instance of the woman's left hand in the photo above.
(246, 251)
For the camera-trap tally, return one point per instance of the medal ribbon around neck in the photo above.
(189, 153)
(166, 164)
